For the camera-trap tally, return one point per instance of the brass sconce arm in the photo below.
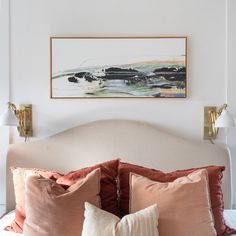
(12, 107)
(223, 107)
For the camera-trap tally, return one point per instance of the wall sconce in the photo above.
(22, 118)
(214, 119)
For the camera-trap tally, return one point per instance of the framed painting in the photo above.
(150, 67)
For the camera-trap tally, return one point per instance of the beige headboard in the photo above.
(132, 141)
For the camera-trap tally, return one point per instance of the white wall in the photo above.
(34, 21)
(4, 91)
(232, 82)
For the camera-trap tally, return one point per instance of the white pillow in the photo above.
(101, 223)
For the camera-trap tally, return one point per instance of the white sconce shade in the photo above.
(9, 118)
(225, 120)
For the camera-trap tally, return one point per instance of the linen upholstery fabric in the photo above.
(109, 173)
(19, 189)
(184, 204)
(101, 223)
(215, 174)
(52, 210)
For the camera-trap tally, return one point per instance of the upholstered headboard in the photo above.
(132, 141)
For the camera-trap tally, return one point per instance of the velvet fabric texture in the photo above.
(109, 196)
(19, 189)
(101, 223)
(184, 204)
(109, 173)
(52, 210)
(215, 174)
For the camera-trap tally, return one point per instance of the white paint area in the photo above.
(33, 22)
(4, 93)
(231, 95)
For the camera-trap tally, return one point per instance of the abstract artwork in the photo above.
(153, 67)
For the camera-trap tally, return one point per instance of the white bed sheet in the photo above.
(230, 219)
(5, 221)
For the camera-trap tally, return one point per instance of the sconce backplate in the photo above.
(210, 115)
(26, 129)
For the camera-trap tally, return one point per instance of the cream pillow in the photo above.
(101, 223)
(183, 204)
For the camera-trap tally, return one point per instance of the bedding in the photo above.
(109, 173)
(215, 174)
(108, 193)
(52, 210)
(229, 215)
(230, 218)
(5, 221)
(19, 189)
(184, 204)
(141, 223)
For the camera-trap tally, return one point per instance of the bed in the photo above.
(132, 141)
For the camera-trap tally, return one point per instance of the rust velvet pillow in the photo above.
(109, 173)
(19, 189)
(215, 174)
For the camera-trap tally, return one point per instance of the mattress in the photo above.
(230, 219)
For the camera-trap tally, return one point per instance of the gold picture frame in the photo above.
(118, 67)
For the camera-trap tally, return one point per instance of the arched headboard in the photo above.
(132, 141)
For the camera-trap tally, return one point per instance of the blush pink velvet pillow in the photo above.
(52, 210)
(19, 189)
(184, 204)
(215, 175)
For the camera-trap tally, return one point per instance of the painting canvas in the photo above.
(118, 67)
